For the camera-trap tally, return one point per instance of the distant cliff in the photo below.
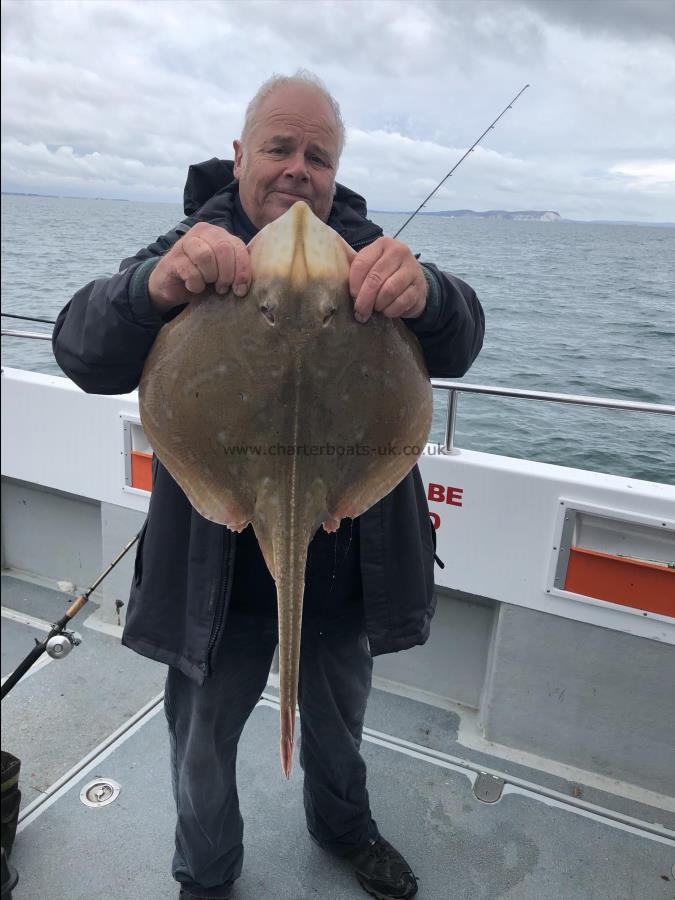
(532, 215)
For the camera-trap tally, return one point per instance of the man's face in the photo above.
(291, 154)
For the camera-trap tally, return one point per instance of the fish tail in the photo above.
(287, 739)
(290, 559)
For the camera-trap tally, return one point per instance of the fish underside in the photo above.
(280, 410)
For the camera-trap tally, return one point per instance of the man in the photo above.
(202, 600)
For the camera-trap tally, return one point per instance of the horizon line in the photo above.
(386, 211)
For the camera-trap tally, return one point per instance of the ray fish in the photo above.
(279, 409)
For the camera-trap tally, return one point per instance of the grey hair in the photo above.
(302, 77)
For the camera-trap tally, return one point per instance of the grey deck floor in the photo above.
(522, 847)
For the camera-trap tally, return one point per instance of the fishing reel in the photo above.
(59, 646)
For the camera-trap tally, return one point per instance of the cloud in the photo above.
(653, 176)
(632, 19)
(116, 98)
(416, 167)
(99, 174)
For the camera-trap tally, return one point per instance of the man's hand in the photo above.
(386, 277)
(205, 255)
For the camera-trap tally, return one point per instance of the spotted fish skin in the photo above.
(280, 410)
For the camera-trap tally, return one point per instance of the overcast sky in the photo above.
(108, 98)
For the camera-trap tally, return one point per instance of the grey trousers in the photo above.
(204, 728)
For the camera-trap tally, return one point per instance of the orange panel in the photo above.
(628, 582)
(141, 470)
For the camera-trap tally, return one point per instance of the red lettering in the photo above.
(436, 493)
(435, 520)
(454, 496)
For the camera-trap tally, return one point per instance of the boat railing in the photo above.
(34, 335)
(455, 388)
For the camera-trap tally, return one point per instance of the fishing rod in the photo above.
(28, 318)
(460, 161)
(60, 642)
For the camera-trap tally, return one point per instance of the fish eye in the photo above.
(267, 313)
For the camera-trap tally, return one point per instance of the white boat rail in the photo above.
(34, 335)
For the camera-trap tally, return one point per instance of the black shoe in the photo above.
(382, 871)
(184, 895)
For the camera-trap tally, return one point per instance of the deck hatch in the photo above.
(488, 788)
(99, 792)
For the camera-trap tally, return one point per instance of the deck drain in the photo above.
(99, 792)
(488, 788)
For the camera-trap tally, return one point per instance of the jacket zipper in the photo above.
(226, 557)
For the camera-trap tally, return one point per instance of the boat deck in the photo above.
(99, 713)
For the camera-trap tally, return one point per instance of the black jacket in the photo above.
(184, 563)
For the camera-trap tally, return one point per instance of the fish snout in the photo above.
(299, 249)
